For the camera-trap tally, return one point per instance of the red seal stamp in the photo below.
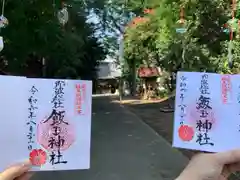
(38, 157)
(202, 116)
(226, 87)
(186, 133)
(55, 135)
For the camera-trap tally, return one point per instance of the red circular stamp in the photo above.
(38, 157)
(200, 116)
(55, 136)
(186, 133)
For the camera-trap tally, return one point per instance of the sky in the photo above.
(93, 18)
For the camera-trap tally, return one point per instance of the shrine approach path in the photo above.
(123, 148)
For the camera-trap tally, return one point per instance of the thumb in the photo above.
(15, 171)
(228, 157)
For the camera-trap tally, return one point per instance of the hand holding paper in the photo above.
(47, 120)
(212, 166)
(18, 171)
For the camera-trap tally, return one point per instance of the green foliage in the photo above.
(34, 33)
(202, 48)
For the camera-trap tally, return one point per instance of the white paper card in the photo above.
(59, 112)
(47, 121)
(207, 112)
(13, 114)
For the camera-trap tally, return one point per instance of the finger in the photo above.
(230, 169)
(234, 167)
(222, 178)
(228, 157)
(15, 171)
(227, 171)
(25, 176)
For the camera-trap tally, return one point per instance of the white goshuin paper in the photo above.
(14, 93)
(12, 121)
(78, 154)
(224, 115)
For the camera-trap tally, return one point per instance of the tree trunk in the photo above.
(133, 78)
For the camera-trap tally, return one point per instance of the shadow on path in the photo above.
(123, 148)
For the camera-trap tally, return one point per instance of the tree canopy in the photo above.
(151, 38)
(34, 33)
(149, 28)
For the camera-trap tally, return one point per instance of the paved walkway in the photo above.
(124, 148)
